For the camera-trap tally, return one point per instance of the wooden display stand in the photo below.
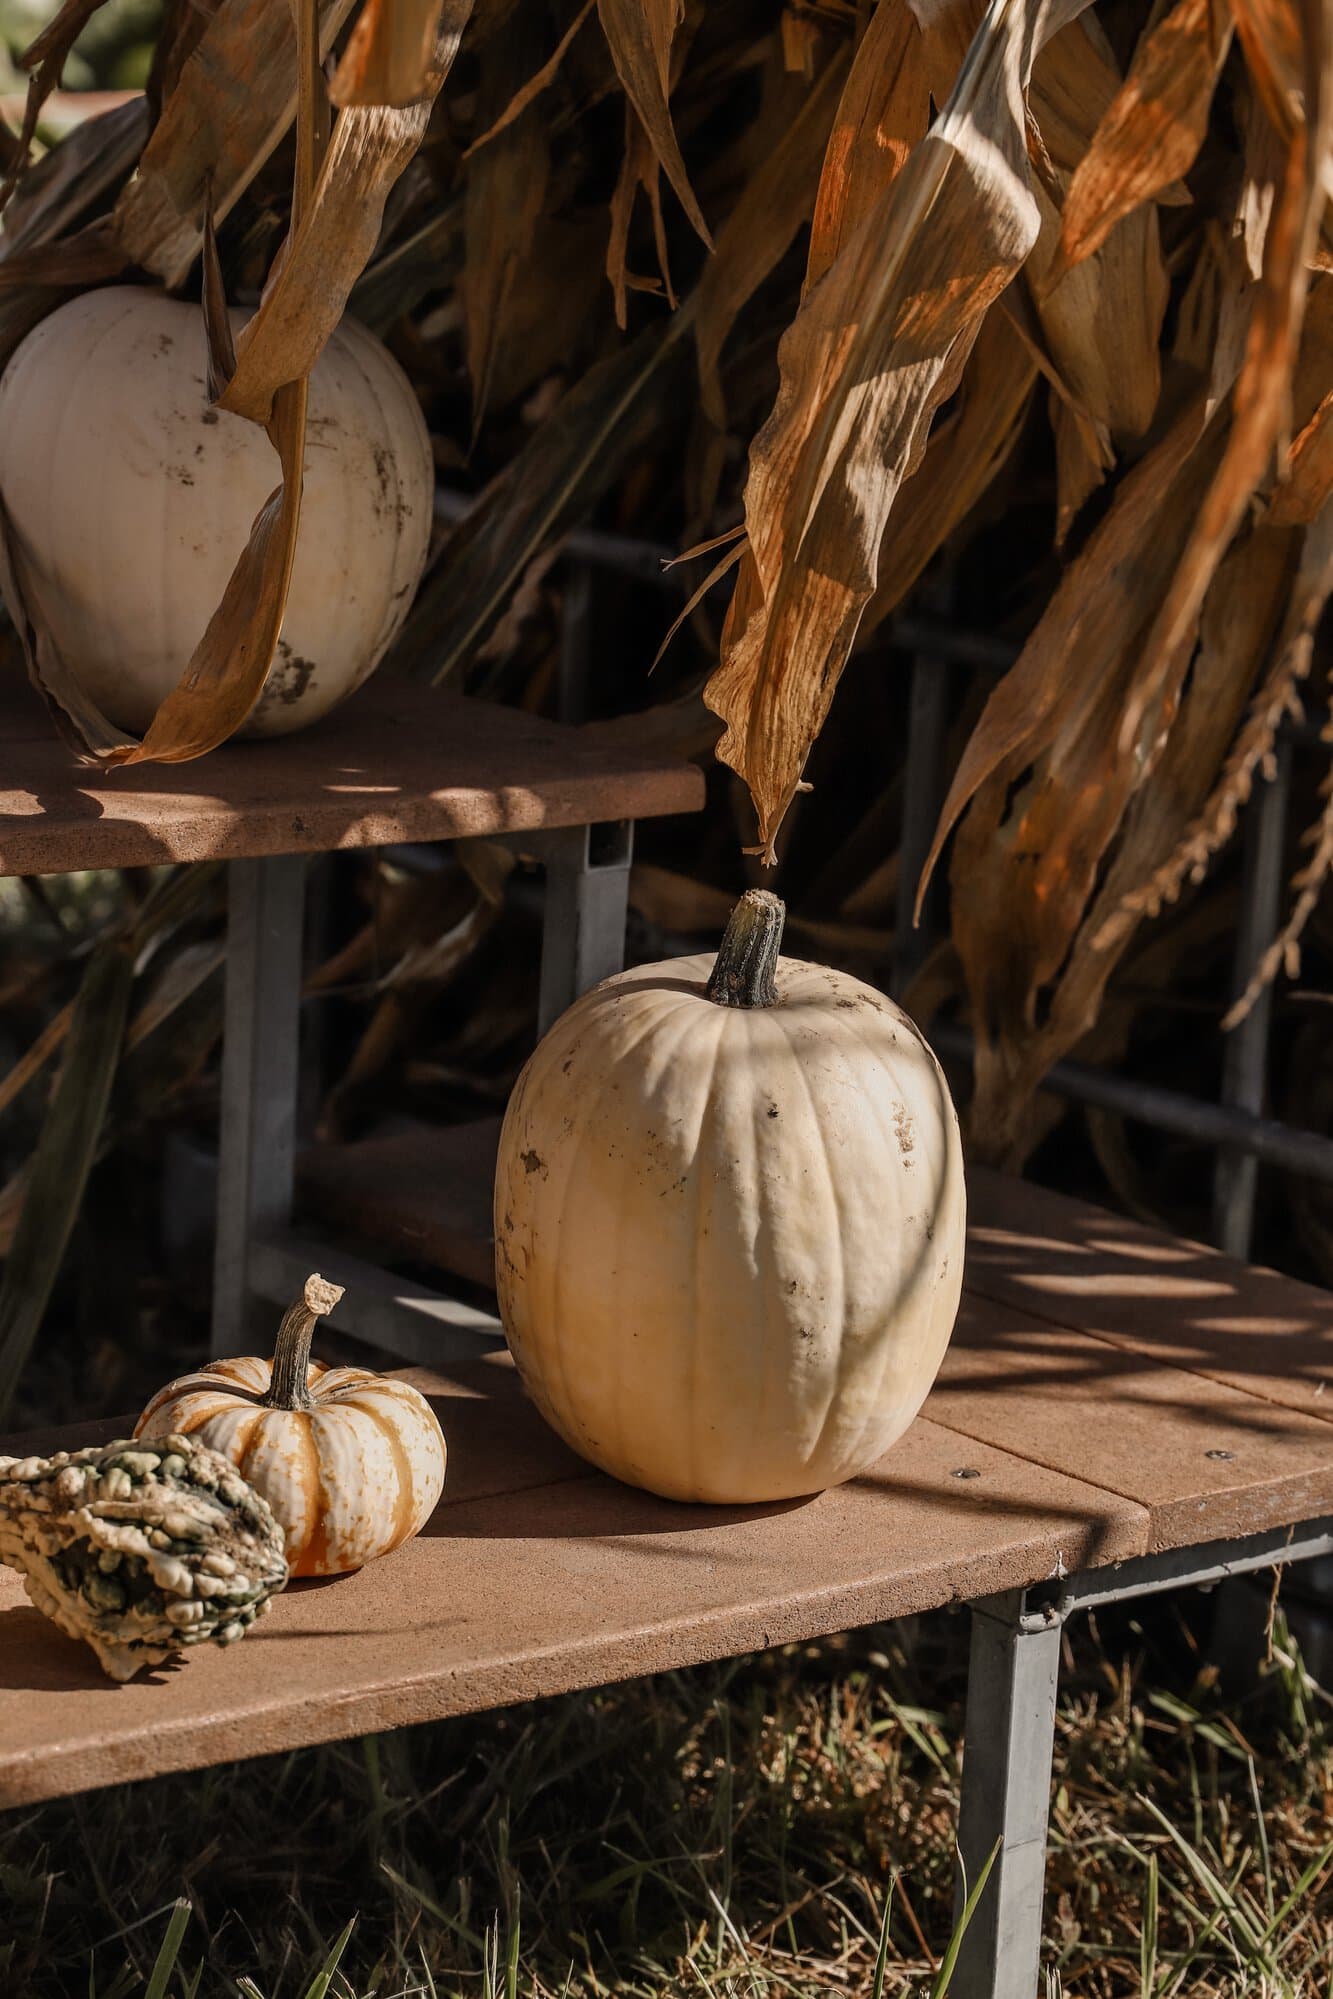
(1120, 1412)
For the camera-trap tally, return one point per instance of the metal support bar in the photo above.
(257, 1146)
(400, 1318)
(1010, 1732)
(1245, 1060)
(587, 899)
(1307, 1152)
(1178, 1568)
(1011, 1688)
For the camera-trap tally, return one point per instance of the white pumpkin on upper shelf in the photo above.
(129, 499)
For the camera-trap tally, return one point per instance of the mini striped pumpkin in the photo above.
(351, 1462)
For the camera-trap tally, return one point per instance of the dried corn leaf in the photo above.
(1272, 36)
(45, 58)
(1048, 787)
(1105, 597)
(529, 92)
(640, 34)
(1261, 399)
(235, 100)
(308, 293)
(90, 256)
(567, 463)
(1277, 698)
(1102, 320)
(864, 364)
(775, 202)
(1151, 132)
(502, 203)
(390, 55)
(882, 114)
(1241, 616)
(963, 456)
(63, 185)
(182, 30)
(639, 168)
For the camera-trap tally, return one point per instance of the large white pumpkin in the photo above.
(130, 499)
(729, 1236)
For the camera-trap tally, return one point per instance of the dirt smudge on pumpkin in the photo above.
(533, 1162)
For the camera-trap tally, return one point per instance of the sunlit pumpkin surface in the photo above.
(348, 1480)
(129, 501)
(729, 1241)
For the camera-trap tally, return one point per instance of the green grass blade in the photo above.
(323, 1978)
(882, 1957)
(940, 1983)
(165, 1962)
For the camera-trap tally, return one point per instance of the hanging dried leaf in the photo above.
(1101, 320)
(883, 113)
(529, 92)
(390, 56)
(95, 157)
(502, 201)
(775, 202)
(640, 34)
(639, 168)
(235, 100)
(567, 463)
(962, 458)
(1261, 398)
(1048, 788)
(1277, 698)
(874, 348)
(45, 58)
(1151, 132)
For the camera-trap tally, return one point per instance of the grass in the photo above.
(777, 1826)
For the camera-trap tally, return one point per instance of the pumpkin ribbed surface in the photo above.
(129, 501)
(349, 1478)
(729, 1239)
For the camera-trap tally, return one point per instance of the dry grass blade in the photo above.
(234, 101)
(874, 348)
(1151, 132)
(64, 1157)
(776, 200)
(640, 34)
(390, 55)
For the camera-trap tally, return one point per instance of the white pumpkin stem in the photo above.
(743, 974)
(291, 1355)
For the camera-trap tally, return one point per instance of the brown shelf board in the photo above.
(536, 1576)
(400, 761)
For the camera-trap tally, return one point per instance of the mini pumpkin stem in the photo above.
(291, 1355)
(743, 974)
